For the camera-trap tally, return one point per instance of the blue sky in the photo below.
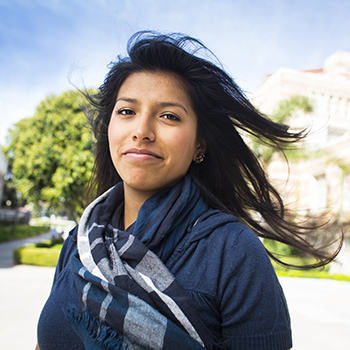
(46, 43)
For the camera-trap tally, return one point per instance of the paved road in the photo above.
(320, 309)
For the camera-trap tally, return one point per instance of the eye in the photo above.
(170, 116)
(126, 111)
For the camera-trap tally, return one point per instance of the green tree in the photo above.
(50, 154)
(282, 114)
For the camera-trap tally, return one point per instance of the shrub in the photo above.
(40, 254)
(280, 248)
(292, 256)
(10, 221)
(21, 231)
(50, 243)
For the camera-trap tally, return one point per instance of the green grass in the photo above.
(313, 274)
(321, 272)
(22, 231)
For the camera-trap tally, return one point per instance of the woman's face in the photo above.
(152, 132)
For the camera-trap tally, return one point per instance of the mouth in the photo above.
(141, 154)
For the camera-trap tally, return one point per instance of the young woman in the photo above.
(167, 256)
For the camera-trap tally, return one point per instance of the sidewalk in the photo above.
(320, 313)
(320, 309)
(23, 292)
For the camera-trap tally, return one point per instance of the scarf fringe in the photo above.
(102, 335)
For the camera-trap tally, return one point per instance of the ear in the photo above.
(201, 148)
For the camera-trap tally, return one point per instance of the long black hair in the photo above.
(231, 177)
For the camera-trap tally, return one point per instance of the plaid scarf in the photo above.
(129, 298)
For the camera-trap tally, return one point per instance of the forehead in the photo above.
(155, 84)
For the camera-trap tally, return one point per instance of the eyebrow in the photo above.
(160, 104)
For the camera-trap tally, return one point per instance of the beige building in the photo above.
(323, 179)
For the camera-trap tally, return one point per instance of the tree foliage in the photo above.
(50, 154)
(282, 114)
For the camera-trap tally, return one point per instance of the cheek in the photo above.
(115, 136)
(110, 139)
(185, 143)
(114, 143)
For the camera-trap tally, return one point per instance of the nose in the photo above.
(144, 130)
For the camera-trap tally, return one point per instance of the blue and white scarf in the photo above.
(129, 299)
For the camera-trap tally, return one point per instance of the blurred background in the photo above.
(290, 57)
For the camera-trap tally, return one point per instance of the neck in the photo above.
(133, 200)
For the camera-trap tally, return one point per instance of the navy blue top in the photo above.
(225, 269)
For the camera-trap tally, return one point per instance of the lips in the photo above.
(141, 154)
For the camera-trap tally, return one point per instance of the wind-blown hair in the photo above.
(231, 177)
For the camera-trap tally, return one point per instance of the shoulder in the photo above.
(69, 247)
(237, 254)
(225, 233)
(218, 247)
(225, 267)
(69, 244)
